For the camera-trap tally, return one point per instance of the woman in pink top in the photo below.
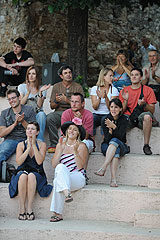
(69, 160)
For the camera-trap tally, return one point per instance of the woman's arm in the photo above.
(81, 154)
(20, 155)
(59, 149)
(41, 153)
(95, 102)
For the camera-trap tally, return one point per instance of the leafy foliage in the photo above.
(80, 79)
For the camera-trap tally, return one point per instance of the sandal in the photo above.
(55, 218)
(29, 215)
(22, 216)
(69, 198)
(113, 183)
(100, 172)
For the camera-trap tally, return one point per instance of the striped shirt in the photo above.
(68, 159)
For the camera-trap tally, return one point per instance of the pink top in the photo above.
(87, 119)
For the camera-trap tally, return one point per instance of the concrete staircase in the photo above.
(129, 212)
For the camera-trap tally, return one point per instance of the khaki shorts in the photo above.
(140, 120)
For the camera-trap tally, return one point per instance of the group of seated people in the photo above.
(119, 91)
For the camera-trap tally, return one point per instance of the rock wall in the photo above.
(110, 28)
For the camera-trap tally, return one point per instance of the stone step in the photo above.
(133, 169)
(135, 140)
(42, 229)
(147, 219)
(154, 181)
(90, 203)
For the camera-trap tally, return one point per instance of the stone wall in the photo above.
(110, 28)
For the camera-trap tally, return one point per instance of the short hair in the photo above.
(137, 69)
(153, 50)
(64, 67)
(21, 41)
(10, 91)
(117, 102)
(78, 94)
(123, 52)
(102, 73)
(35, 124)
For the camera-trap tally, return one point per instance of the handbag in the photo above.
(137, 111)
(33, 103)
(8, 170)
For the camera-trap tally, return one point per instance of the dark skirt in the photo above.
(43, 188)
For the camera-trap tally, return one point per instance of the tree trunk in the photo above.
(77, 41)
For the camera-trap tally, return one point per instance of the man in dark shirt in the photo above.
(13, 123)
(13, 65)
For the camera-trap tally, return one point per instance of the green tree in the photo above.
(77, 16)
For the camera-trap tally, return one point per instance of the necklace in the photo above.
(70, 145)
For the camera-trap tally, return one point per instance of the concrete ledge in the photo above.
(94, 202)
(147, 219)
(133, 169)
(154, 182)
(42, 229)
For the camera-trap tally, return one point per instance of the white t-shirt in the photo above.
(23, 90)
(103, 109)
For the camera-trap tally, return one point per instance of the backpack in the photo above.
(8, 170)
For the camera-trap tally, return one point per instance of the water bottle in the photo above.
(7, 72)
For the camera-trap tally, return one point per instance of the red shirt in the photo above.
(134, 95)
(87, 119)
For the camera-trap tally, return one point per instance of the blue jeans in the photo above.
(7, 148)
(41, 119)
(121, 150)
(97, 121)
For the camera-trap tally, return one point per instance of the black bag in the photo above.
(8, 170)
(137, 111)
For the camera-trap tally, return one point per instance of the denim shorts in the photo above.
(121, 150)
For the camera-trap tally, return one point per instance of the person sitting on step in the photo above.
(30, 174)
(69, 160)
(113, 147)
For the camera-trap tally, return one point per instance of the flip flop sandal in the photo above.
(30, 215)
(22, 216)
(69, 198)
(55, 218)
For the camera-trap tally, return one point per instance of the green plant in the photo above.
(79, 79)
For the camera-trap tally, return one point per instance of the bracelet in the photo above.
(40, 96)
(17, 63)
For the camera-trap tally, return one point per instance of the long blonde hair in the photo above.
(103, 72)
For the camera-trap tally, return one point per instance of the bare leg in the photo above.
(31, 192)
(114, 165)
(109, 157)
(147, 127)
(22, 193)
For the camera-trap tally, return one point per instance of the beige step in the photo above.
(42, 229)
(147, 219)
(133, 169)
(135, 140)
(154, 181)
(94, 202)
